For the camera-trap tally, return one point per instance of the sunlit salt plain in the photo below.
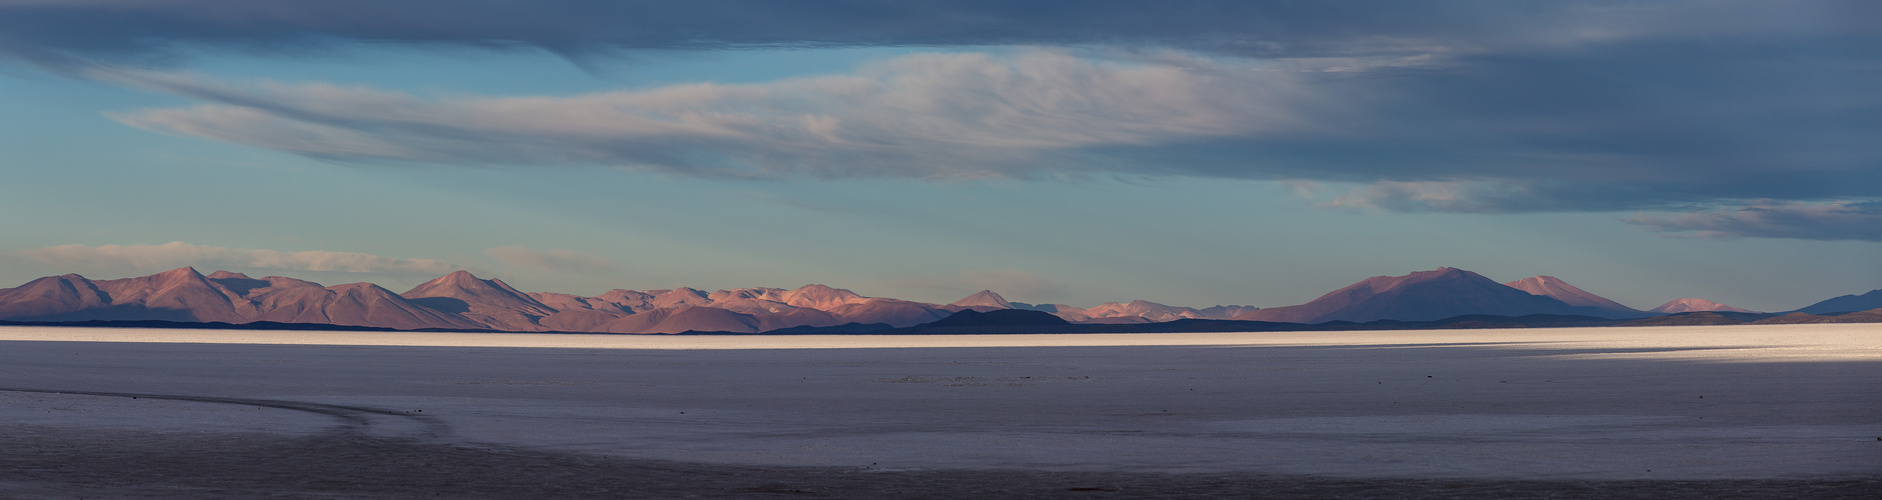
(1793, 401)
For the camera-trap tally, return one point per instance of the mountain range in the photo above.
(461, 301)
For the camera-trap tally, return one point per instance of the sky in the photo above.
(1075, 152)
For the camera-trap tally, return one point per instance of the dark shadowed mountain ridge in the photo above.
(1001, 317)
(1846, 303)
(1420, 296)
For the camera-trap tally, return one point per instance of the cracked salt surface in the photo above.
(1793, 401)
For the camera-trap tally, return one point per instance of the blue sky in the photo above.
(1195, 153)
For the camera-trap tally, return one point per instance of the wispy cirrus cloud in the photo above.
(1831, 221)
(561, 261)
(175, 254)
(921, 116)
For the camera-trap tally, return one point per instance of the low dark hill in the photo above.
(1846, 303)
(1000, 317)
(1199, 326)
(1798, 318)
(969, 321)
(1699, 318)
(838, 329)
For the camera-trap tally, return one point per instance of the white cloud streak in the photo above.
(560, 261)
(959, 115)
(1433, 196)
(177, 254)
(1774, 219)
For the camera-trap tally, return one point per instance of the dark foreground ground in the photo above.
(44, 462)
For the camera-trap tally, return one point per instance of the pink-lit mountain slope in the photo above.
(894, 312)
(1555, 288)
(983, 301)
(1420, 296)
(175, 295)
(1136, 311)
(460, 300)
(184, 295)
(767, 308)
(491, 303)
(183, 291)
(52, 298)
(1694, 305)
(1144, 311)
(821, 297)
(288, 300)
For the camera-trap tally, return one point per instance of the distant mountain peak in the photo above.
(457, 280)
(490, 301)
(820, 297)
(984, 298)
(1418, 296)
(458, 277)
(1555, 288)
(1381, 284)
(226, 275)
(1694, 305)
(688, 291)
(181, 272)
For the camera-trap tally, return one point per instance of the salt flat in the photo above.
(1662, 403)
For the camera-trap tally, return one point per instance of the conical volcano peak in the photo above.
(227, 275)
(1694, 305)
(181, 272)
(984, 298)
(459, 277)
(457, 280)
(820, 297)
(1555, 288)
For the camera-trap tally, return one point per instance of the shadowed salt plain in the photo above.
(1689, 403)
